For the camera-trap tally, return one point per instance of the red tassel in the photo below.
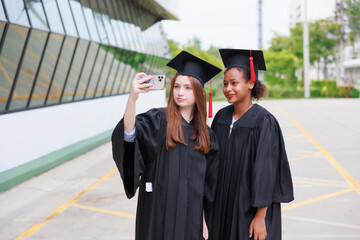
(252, 70)
(210, 102)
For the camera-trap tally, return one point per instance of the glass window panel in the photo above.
(119, 71)
(109, 30)
(105, 73)
(111, 77)
(37, 14)
(9, 60)
(120, 31)
(85, 75)
(124, 79)
(136, 15)
(53, 16)
(129, 12)
(79, 19)
(131, 72)
(29, 66)
(101, 27)
(123, 59)
(89, 17)
(124, 35)
(129, 43)
(2, 13)
(46, 70)
(2, 27)
(67, 17)
(126, 59)
(16, 12)
(113, 22)
(75, 70)
(96, 72)
(103, 78)
(117, 32)
(61, 70)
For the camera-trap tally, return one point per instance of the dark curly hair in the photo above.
(259, 90)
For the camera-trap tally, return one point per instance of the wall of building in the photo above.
(66, 68)
(28, 135)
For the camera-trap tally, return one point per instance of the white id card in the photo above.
(148, 187)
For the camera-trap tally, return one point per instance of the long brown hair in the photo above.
(174, 131)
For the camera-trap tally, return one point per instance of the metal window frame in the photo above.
(128, 28)
(127, 14)
(117, 12)
(21, 60)
(6, 28)
(38, 70)
(55, 68)
(106, 55)
(121, 89)
(151, 56)
(135, 39)
(73, 54)
(58, 57)
(128, 75)
(115, 52)
(137, 24)
(87, 52)
(97, 52)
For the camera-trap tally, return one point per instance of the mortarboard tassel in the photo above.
(210, 102)
(252, 70)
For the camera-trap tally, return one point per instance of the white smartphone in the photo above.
(158, 82)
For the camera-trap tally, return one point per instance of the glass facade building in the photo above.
(60, 51)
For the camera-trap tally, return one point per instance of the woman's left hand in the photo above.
(258, 228)
(205, 229)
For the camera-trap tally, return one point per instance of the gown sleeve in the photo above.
(131, 157)
(212, 171)
(271, 177)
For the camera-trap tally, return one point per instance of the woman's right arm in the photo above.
(137, 87)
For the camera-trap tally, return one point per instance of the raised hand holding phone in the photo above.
(138, 86)
(157, 81)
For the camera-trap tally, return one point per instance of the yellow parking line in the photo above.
(100, 198)
(33, 229)
(105, 211)
(335, 164)
(304, 157)
(320, 183)
(306, 202)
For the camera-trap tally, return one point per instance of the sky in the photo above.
(228, 23)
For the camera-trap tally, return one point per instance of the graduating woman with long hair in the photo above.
(170, 154)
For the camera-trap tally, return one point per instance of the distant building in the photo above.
(316, 9)
(348, 71)
(65, 72)
(352, 65)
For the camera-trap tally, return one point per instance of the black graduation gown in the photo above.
(253, 173)
(183, 179)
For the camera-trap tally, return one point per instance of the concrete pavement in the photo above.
(84, 198)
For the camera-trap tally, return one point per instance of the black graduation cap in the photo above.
(189, 65)
(244, 58)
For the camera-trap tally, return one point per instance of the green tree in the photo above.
(324, 35)
(352, 12)
(280, 73)
(174, 48)
(194, 47)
